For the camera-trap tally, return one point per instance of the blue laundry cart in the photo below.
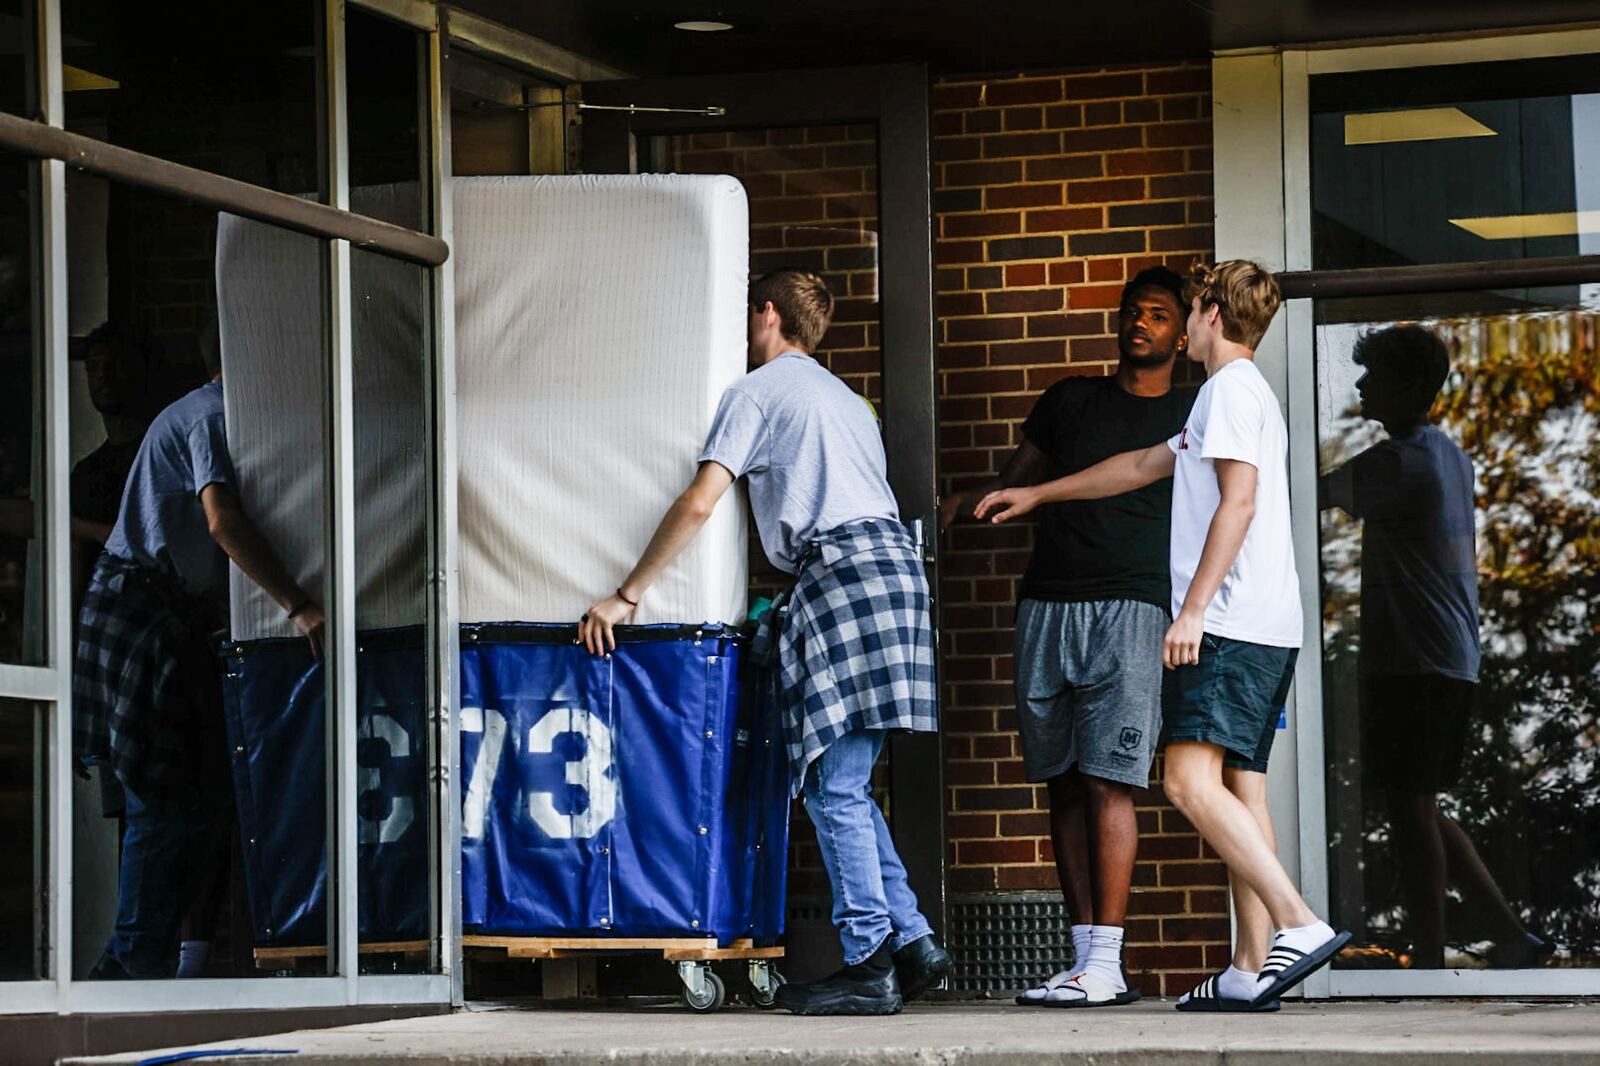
(635, 800)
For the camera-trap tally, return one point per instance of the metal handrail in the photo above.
(1440, 277)
(41, 141)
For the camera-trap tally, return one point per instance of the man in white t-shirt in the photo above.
(1236, 626)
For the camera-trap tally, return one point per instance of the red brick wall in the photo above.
(1051, 190)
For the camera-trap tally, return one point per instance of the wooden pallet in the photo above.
(672, 949)
(280, 958)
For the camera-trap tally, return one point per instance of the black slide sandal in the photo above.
(1204, 999)
(1288, 966)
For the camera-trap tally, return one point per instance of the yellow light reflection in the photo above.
(76, 79)
(1417, 124)
(1517, 227)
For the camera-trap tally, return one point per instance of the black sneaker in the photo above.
(921, 965)
(869, 987)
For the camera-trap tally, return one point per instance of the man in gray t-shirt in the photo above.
(146, 688)
(856, 647)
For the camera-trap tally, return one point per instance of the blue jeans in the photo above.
(872, 900)
(168, 851)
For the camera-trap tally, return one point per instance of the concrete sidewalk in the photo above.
(1147, 1034)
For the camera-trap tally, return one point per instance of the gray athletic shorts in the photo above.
(1088, 681)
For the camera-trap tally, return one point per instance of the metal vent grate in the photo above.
(1003, 943)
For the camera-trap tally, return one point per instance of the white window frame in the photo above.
(1263, 161)
(51, 685)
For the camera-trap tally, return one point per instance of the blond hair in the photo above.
(1244, 292)
(803, 303)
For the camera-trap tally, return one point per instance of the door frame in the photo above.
(894, 99)
(1263, 211)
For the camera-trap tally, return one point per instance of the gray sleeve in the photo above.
(738, 437)
(208, 455)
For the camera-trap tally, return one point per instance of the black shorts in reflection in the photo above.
(1414, 730)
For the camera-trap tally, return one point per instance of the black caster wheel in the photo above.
(767, 999)
(713, 993)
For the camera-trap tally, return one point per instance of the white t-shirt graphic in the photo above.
(1236, 416)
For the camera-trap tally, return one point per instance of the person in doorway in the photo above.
(856, 648)
(146, 690)
(1094, 608)
(1420, 648)
(121, 364)
(1236, 626)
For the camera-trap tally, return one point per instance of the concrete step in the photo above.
(1151, 1033)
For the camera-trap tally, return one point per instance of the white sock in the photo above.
(1105, 955)
(192, 956)
(1080, 947)
(1306, 938)
(1234, 983)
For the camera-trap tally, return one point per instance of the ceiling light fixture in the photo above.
(1417, 124)
(702, 25)
(1522, 227)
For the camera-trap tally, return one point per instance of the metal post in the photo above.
(52, 304)
(444, 608)
(339, 496)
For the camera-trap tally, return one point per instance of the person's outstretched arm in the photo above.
(1236, 481)
(1027, 466)
(678, 527)
(1111, 477)
(235, 534)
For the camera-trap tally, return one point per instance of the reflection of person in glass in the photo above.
(1419, 633)
(146, 690)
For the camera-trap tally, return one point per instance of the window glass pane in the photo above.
(197, 400)
(391, 340)
(22, 548)
(227, 88)
(24, 806)
(17, 73)
(1461, 650)
(1476, 161)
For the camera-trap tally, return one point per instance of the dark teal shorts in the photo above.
(1230, 698)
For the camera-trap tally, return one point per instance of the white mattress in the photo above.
(598, 321)
(270, 317)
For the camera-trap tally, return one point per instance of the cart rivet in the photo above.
(252, 842)
(704, 830)
(240, 749)
(708, 734)
(695, 924)
(605, 851)
(605, 921)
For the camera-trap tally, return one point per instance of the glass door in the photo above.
(1455, 436)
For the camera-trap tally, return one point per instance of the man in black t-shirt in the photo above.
(1095, 606)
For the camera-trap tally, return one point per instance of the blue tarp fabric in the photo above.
(641, 794)
(273, 697)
